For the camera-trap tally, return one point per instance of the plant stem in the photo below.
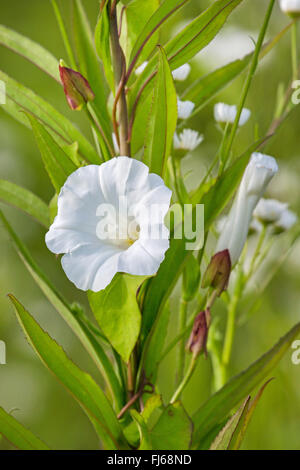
(250, 76)
(257, 251)
(121, 128)
(231, 323)
(294, 51)
(64, 34)
(182, 327)
(185, 380)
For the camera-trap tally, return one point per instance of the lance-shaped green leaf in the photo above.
(191, 40)
(80, 384)
(162, 120)
(56, 161)
(117, 312)
(19, 98)
(18, 435)
(26, 201)
(205, 88)
(224, 437)
(90, 66)
(221, 403)
(102, 41)
(30, 50)
(199, 33)
(93, 348)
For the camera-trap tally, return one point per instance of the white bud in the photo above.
(286, 221)
(187, 140)
(185, 108)
(225, 113)
(182, 72)
(290, 6)
(258, 174)
(269, 210)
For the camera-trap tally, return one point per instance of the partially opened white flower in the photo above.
(290, 6)
(139, 70)
(110, 219)
(269, 210)
(188, 139)
(182, 72)
(185, 108)
(258, 174)
(286, 221)
(225, 113)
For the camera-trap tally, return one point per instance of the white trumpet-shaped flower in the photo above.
(258, 174)
(269, 210)
(286, 221)
(182, 72)
(188, 139)
(224, 113)
(139, 70)
(110, 219)
(185, 108)
(290, 6)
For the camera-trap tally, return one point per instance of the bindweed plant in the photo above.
(131, 230)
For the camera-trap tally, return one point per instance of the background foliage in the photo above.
(25, 384)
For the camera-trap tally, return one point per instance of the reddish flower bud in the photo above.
(77, 89)
(218, 272)
(198, 338)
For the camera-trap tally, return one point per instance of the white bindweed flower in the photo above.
(139, 70)
(290, 6)
(255, 226)
(185, 108)
(224, 113)
(188, 139)
(110, 219)
(269, 210)
(182, 72)
(286, 221)
(258, 174)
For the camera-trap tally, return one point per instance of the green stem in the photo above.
(257, 251)
(294, 51)
(231, 323)
(185, 380)
(249, 79)
(182, 327)
(64, 34)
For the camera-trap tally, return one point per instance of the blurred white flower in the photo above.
(188, 139)
(255, 226)
(185, 108)
(258, 174)
(290, 6)
(286, 221)
(225, 113)
(182, 72)
(269, 210)
(107, 215)
(139, 70)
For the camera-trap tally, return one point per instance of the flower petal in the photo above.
(144, 257)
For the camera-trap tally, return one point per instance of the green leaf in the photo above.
(78, 383)
(19, 436)
(92, 346)
(90, 66)
(204, 89)
(239, 433)
(221, 403)
(19, 98)
(163, 119)
(117, 312)
(56, 161)
(145, 438)
(224, 437)
(102, 42)
(191, 279)
(26, 201)
(138, 14)
(30, 50)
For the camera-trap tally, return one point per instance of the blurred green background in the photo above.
(26, 387)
